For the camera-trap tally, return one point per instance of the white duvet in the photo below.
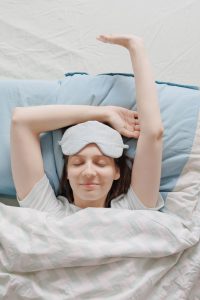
(100, 253)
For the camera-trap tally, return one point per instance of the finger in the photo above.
(137, 127)
(132, 116)
(136, 134)
(101, 38)
(128, 133)
(131, 130)
(104, 38)
(133, 123)
(130, 127)
(132, 113)
(135, 114)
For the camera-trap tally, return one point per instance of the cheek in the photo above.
(108, 175)
(72, 174)
(69, 172)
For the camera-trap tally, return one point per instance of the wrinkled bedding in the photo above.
(100, 253)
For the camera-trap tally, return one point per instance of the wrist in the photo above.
(135, 45)
(104, 115)
(93, 113)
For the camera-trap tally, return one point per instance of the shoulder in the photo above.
(42, 197)
(132, 202)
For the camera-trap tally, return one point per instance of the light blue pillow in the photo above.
(179, 105)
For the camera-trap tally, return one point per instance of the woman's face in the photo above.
(91, 166)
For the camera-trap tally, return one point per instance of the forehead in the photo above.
(91, 150)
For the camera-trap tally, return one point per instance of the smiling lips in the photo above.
(90, 185)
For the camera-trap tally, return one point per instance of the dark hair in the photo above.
(119, 186)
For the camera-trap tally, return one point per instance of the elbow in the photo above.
(16, 115)
(156, 134)
(159, 133)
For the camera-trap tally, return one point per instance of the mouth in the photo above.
(90, 185)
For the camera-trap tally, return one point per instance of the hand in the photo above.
(124, 40)
(124, 120)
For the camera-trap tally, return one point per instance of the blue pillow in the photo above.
(179, 105)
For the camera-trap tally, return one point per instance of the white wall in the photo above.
(43, 39)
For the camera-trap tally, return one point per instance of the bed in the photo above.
(101, 253)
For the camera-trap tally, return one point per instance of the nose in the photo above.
(89, 170)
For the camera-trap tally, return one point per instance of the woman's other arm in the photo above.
(27, 124)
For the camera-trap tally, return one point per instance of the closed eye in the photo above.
(100, 164)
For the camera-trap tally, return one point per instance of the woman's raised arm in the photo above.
(27, 124)
(146, 172)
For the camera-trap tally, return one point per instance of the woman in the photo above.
(89, 170)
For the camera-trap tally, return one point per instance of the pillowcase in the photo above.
(179, 106)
